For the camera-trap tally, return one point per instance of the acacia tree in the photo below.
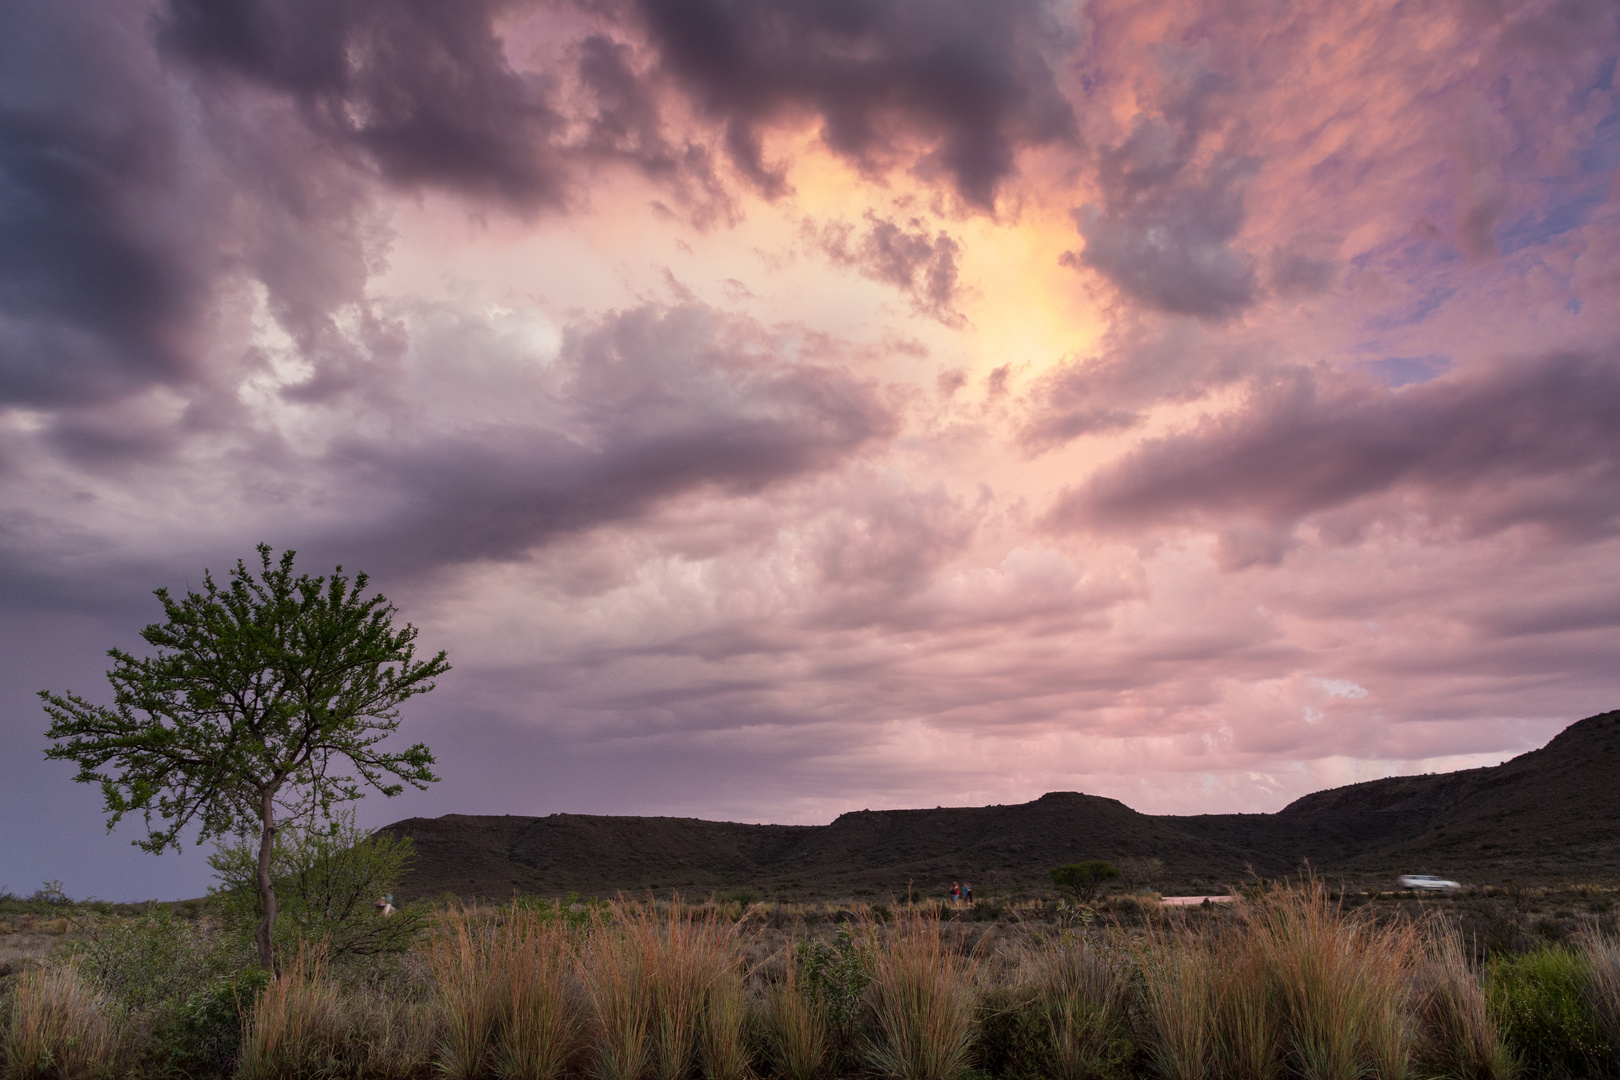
(269, 696)
(1085, 879)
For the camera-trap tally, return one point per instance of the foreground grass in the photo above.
(1286, 983)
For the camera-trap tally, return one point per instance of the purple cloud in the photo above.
(1518, 443)
(970, 79)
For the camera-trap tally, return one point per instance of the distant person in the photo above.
(967, 893)
(385, 905)
(956, 892)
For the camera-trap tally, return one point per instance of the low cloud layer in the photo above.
(784, 408)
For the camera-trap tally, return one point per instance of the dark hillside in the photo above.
(1551, 814)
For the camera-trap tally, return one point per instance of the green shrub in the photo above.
(155, 962)
(1542, 1003)
(202, 1036)
(836, 974)
(189, 989)
(327, 881)
(1044, 1038)
(1085, 879)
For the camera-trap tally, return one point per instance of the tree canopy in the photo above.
(267, 698)
(1085, 879)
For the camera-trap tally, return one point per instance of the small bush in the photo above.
(202, 1035)
(186, 988)
(1085, 879)
(327, 879)
(836, 974)
(154, 963)
(1068, 1021)
(1542, 1002)
(795, 1024)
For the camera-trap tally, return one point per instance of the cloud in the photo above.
(423, 89)
(1163, 234)
(1305, 266)
(99, 273)
(637, 408)
(1516, 443)
(1140, 364)
(971, 81)
(921, 265)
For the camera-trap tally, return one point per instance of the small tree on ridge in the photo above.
(1085, 879)
(262, 697)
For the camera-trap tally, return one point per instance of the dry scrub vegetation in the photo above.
(1286, 983)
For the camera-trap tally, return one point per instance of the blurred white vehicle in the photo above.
(1427, 881)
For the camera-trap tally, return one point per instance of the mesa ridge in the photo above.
(1547, 816)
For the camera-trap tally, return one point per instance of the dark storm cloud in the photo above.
(423, 87)
(98, 275)
(652, 404)
(1531, 442)
(1163, 234)
(907, 256)
(968, 77)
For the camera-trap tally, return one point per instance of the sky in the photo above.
(785, 407)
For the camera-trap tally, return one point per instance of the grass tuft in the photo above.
(298, 1026)
(61, 1026)
(923, 1003)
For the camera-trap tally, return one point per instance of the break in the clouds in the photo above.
(782, 408)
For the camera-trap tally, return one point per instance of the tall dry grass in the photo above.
(508, 1001)
(611, 968)
(1285, 985)
(540, 1023)
(461, 954)
(1078, 982)
(1180, 994)
(795, 1023)
(1294, 985)
(1458, 1036)
(298, 1027)
(1603, 955)
(693, 982)
(667, 991)
(1340, 983)
(923, 1002)
(62, 1027)
(1248, 1035)
(391, 1039)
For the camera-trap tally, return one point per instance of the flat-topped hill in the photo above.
(1549, 815)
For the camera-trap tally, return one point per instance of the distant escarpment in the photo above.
(1551, 815)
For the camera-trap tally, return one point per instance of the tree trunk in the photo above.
(267, 891)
